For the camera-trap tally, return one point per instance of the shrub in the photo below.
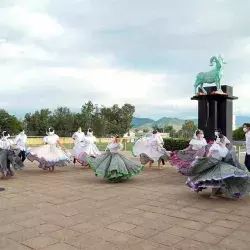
(238, 134)
(175, 144)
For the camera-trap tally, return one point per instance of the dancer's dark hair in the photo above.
(197, 132)
(246, 124)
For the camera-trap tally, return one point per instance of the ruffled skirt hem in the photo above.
(233, 182)
(114, 167)
(45, 164)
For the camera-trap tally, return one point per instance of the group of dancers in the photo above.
(111, 164)
(205, 165)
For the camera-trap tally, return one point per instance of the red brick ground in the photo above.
(72, 209)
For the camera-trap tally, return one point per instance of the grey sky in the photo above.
(145, 52)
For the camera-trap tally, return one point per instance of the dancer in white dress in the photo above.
(21, 142)
(78, 137)
(150, 150)
(51, 154)
(8, 156)
(6, 142)
(87, 148)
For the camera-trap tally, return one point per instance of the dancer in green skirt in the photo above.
(112, 165)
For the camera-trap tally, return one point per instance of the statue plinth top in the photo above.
(211, 93)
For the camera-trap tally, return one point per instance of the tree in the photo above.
(168, 128)
(87, 113)
(238, 134)
(117, 120)
(38, 122)
(155, 127)
(145, 130)
(9, 122)
(126, 115)
(63, 121)
(189, 127)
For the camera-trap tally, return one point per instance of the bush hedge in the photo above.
(171, 144)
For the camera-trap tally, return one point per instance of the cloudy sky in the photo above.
(144, 52)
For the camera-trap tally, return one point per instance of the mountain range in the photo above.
(147, 123)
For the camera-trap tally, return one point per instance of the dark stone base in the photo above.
(215, 110)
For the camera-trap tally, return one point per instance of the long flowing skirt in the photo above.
(183, 159)
(114, 166)
(81, 150)
(49, 156)
(164, 155)
(9, 158)
(147, 152)
(207, 172)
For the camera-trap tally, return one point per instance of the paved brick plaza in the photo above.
(72, 209)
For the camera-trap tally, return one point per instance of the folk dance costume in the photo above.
(51, 154)
(86, 148)
(220, 171)
(21, 141)
(78, 137)
(246, 130)
(112, 165)
(226, 142)
(197, 148)
(150, 150)
(8, 156)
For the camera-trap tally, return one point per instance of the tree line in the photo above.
(105, 121)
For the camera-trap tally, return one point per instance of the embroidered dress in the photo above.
(114, 166)
(182, 159)
(50, 154)
(150, 149)
(8, 157)
(86, 148)
(221, 170)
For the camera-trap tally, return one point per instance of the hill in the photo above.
(137, 122)
(147, 123)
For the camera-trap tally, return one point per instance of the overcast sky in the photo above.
(144, 52)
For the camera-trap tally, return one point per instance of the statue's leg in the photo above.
(195, 88)
(202, 88)
(218, 86)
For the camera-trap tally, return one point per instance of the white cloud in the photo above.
(66, 52)
(33, 24)
(112, 85)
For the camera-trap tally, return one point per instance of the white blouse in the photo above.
(78, 137)
(198, 143)
(21, 141)
(115, 147)
(51, 139)
(218, 151)
(6, 143)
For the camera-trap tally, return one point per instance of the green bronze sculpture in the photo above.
(213, 76)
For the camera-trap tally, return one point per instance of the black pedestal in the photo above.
(216, 111)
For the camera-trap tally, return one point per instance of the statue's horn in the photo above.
(212, 59)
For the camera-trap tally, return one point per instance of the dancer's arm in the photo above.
(188, 148)
(16, 139)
